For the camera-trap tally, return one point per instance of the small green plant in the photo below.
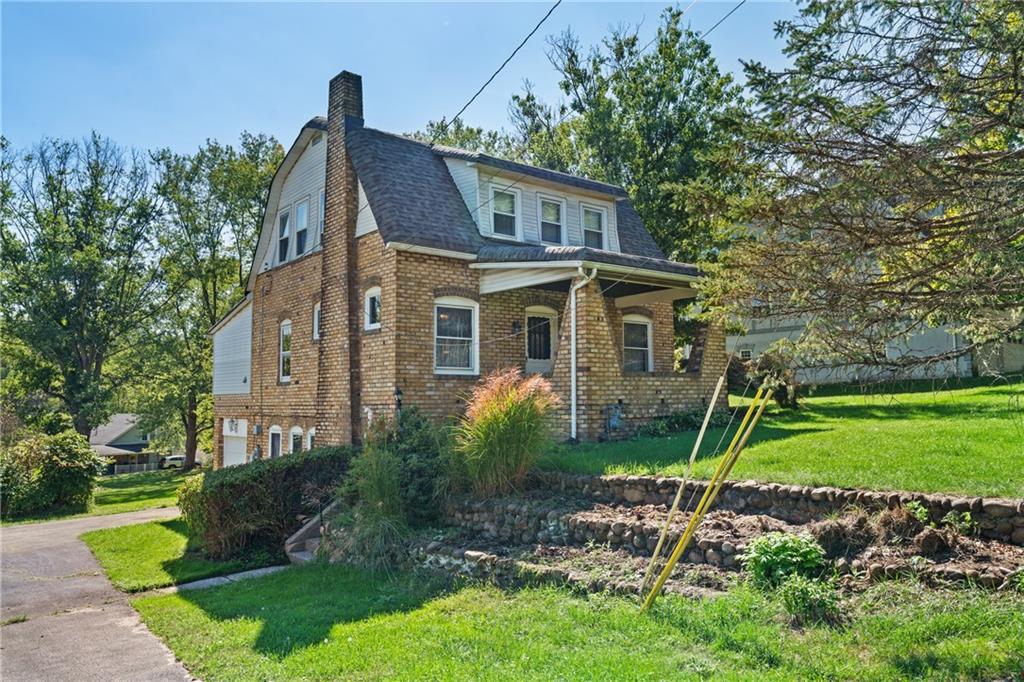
(919, 511)
(961, 522)
(503, 432)
(681, 421)
(809, 601)
(773, 557)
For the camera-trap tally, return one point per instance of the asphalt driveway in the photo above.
(79, 627)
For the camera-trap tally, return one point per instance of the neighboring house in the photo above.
(121, 441)
(1000, 358)
(393, 273)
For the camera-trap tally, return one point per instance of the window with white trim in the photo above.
(371, 308)
(316, 321)
(323, 213)
(284, 365)
(505, 213)
(637, 344)
(593, 227)
(541, 332)
(301, 225)
(310, 438)
(552, 220)
(295, 440)
(456, 335)
(284, 233)
(746, 354)
(275, 442)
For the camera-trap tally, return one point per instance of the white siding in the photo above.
(467, 179)
(530, 207)
(232, 355)
(365, 222)
(305, 181)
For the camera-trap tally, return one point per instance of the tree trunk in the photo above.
(191, 433)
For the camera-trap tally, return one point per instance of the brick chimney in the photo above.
(338, 392)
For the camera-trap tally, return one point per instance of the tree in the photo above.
(890, 161)
(457, 134)
(657, 122)
(79, 276)
(212, 202)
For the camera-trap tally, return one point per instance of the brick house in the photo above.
(391, 272)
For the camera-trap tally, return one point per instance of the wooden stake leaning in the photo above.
(714, 485)
(682, 484)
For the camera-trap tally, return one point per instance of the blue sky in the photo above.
(159, 74)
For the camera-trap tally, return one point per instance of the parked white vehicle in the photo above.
(172, 462)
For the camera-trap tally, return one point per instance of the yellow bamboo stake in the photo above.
(682, 484)
(709, 494)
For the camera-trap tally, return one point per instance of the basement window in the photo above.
(284, 369)
(301, 223)
(637, 349)
(284, 233)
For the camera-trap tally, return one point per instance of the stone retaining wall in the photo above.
(997, 518)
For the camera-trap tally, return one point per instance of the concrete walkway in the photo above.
(79, 627)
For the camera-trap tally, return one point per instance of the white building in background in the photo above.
(1002, 358)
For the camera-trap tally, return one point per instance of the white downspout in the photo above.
(587, 279)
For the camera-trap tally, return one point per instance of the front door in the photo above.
(538, 343)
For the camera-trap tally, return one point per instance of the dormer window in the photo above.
(284, 233)
(301, 223)
(552, 221)
(505, 213)
(593, 227)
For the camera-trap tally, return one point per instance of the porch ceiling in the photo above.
(630, 288)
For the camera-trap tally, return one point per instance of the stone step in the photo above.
(301, 557)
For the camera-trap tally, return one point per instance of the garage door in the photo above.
(234, 450)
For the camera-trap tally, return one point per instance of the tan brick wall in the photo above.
(375, 266)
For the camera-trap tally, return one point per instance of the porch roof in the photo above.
(574, 256)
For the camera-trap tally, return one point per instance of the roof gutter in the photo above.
(429, 251)
(584, 281)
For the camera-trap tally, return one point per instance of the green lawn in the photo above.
(321, 622)
(124, 493)
(967, 441)
(156, 554)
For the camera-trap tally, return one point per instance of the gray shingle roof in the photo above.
(415, 201)
(510, 253)
(118, 425)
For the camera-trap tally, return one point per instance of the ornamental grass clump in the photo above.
(503, 432)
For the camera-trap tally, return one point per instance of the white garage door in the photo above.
(234, 450)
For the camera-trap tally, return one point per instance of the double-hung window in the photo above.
(301, 223)
(505, 213)
(323, 214)
(371, 308)
(455, 336)
(593, 227)
(552, 221)
(284, 368)
(284, 233)
(637, 348)
(295, 440)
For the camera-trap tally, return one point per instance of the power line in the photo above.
(727, 15)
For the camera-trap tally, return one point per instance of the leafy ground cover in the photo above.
(156, 554)
(964, 440)
(322, 622)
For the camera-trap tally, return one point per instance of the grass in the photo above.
(123, 493)
(156, 554)
(966, 441)
(322, 622)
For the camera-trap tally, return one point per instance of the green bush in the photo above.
(256, 507)
(809, 601)
(773, 557)
(503, 432)
(374, 528)
(191, 502)
(48, 472)
(681, 421)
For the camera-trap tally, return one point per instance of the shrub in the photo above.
(503, 432)
(773, 557)
(809, 601)
(48, 472)
(681, 421)
(374, 529)
(962, 522)
(191, 502)
(257, 506)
